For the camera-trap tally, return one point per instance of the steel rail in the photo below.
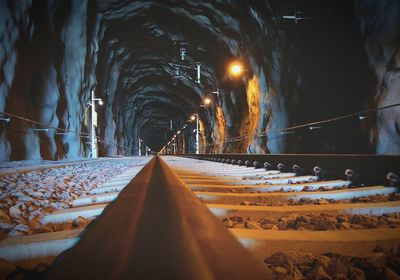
(372, 169)
(157, 229)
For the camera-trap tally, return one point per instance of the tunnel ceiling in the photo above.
(144, 38)
(303, 60)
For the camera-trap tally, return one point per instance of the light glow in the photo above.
(235, 68)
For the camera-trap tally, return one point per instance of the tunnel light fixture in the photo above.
(41, 129)
(236, 68)
(218, 92)
(362, 117)
(315, 127)
(295, 17)
(61, 132)
(7, 119)
(206, 102)
(182, 52)
(198, 71)
(140, 146)
(179, 132)
(99, 100)
(93, 123)
(288, 132)
(196, 117)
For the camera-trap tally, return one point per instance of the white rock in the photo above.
(55, 205)
(22, 228)
(14, 233)
(36, 213)
(14, 211)
(36, 194)
(6, 226)
(25, 198)
(44, 202)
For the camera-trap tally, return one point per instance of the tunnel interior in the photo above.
(154, 63)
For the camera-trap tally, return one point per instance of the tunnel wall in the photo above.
(344, 58)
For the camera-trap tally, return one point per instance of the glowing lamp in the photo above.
(207, 101)
(235, 68)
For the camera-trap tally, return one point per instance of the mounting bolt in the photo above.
(394, 180)
(319, 173)
(352, 176)
(281, 167)
(297, 170)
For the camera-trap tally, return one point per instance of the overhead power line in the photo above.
(61, 130)
(309, 124)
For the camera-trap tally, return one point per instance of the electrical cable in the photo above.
(64, 130)
(292, 128)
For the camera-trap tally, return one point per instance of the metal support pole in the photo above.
(93, 142)
(198, 65)
(140, 147)
(197, 134)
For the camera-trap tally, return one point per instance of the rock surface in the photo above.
(297, 265)
(55, 53)
(317, 222)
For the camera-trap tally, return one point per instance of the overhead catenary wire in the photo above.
(309, 124)
(64, 130)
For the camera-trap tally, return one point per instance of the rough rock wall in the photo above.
(9, 34)
(219, 130)
(43, 65)
(73, 35)
(343, 58)
(380, 25)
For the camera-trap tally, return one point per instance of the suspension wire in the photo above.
(63, 130)
(292, 128)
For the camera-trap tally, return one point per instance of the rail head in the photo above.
(157, 229)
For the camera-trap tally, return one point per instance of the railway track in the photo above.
(300, 223)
